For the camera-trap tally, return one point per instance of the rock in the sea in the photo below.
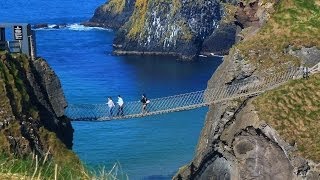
(176, 28)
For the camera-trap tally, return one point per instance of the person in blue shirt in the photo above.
(120, 106)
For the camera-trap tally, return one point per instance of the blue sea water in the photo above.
(147, 148)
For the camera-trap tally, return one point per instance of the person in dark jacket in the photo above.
(144, 102)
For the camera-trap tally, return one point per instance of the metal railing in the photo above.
(11, 46)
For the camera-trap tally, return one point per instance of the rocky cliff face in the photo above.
(177, 27)
(237, 142)
(31, 107)
(112, 14)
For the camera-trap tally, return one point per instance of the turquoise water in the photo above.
(147, 148)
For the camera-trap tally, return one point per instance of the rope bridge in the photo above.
(181, 102)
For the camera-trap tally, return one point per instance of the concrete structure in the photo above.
(18, 38)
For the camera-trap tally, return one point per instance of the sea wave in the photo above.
(72, 27)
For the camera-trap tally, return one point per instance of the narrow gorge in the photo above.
(270, 136)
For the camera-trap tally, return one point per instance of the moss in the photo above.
(138, 18)
(13, 73)
(115, 6)
(137, 22)
(294, 110)
(186, 32)
(5, 146)
(176, 7)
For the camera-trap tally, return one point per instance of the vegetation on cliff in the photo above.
(292, 23)
(138, 18)
(115, 6)
(294, 110)
(30, 146)
(137, 23)
(21, 129)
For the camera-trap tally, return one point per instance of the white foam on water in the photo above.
(72, 27)
(79, 27)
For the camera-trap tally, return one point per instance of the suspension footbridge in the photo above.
(187, 101)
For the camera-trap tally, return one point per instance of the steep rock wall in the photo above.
(236, 143)
(167, 27)
(112, 14)
(32, 106)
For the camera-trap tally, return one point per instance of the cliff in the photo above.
(32, 109)
(112, 14)
(178, 28)
(273, 135)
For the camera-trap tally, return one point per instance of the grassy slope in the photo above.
(295, 23)
(115, 6)
(294, 111)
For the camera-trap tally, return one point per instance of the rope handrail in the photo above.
(186, 101)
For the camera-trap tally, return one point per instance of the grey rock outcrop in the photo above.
(48, 91)
(52, 87)
(32, 105)
(309, 56)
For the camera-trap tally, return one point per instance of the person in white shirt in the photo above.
(120, 106)
(305, 72)
(111, 106)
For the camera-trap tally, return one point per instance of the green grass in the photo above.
(137, 19)
(34, 168)
(293, 23)
(13, 78)
(294, 111)
(115, 6)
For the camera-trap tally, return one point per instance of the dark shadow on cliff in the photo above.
(30, 127)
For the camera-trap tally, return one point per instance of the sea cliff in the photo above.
(177, 28)
(32, 107)
(270, 136)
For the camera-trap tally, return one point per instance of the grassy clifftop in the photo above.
(293, 23)
(294, 111)
(18, 107)
(115, 6)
